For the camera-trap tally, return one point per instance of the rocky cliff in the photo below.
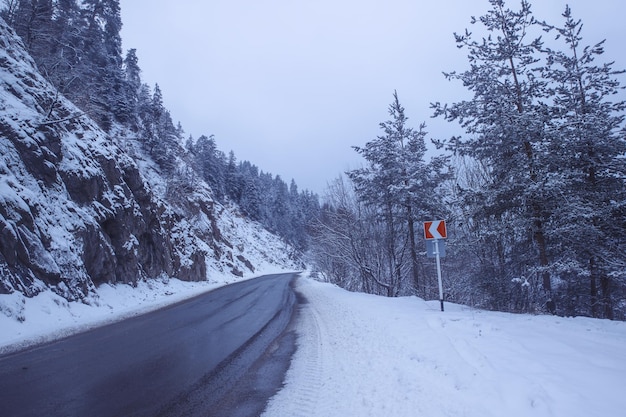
(77, 210)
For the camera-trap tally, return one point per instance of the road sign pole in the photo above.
(434, 231)
(439, 272)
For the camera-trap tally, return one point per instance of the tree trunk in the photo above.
(391, 248)
(593, 288)
(537, 212)
(413, 248)
(606, 297)
(543, 253)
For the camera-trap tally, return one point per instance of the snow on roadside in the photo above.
(47, 316)
(362, 355)
(29, 321)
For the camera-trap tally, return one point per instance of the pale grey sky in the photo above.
(291, 85)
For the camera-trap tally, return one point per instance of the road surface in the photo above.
(182, 360)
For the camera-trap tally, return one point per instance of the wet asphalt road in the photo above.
(220, 354)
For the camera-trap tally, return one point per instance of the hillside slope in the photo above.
(77, 210)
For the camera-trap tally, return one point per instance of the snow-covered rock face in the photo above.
(76, 210)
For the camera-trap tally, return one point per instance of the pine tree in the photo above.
(100, 69)
(250, 201)
(250, 198)
(132, 87)
(232, 180)
(32, 21)
(587, 154)
(66, 49)
(279, 206)
(505, 122)
(401, 185)
(211, 165)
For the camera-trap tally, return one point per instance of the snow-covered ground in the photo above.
(362, 355)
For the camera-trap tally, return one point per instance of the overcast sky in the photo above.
(291, 85)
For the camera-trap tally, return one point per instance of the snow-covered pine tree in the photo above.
(32, 21)
(587, 159)
(401, 185)
(210, 163)
(250, 201)
(303, 208)
(132, 88)
(99, 71)
(505, 122)
(278, 208)
(233, 183)
(51, 33)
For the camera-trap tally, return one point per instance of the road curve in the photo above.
(180, 360)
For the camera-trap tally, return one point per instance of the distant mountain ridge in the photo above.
(77, 210)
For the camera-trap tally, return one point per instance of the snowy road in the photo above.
(362, 355)
(162, 363)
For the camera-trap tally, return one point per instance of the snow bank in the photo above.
(362, 355)
(47, 316)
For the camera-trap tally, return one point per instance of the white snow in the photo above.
(363, 355)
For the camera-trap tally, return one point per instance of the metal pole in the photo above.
(439, 273)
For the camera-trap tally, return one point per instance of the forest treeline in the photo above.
(533, 192)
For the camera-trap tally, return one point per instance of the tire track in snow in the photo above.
(301, 395)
